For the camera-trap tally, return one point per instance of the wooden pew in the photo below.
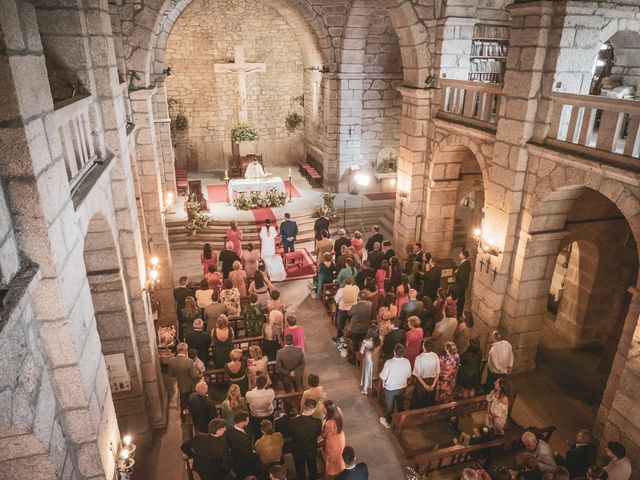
(280, 403)
(482, 452)
(437, 413)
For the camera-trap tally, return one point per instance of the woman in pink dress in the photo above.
(357, 242)
(402, 295)
(250, 258)
(413, 340)
(235, 236)
(214, 279)
(382, 275)
(334, 440)
(238, 278)
(295, 331)
(208, 257)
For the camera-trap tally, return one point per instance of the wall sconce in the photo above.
(169, 202)
(125, 460)
(489, 248)
(167, 72)
(153, 272)
(403, 196)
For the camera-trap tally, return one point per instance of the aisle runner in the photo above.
(218, 193)
(261, 214)
(381, 196)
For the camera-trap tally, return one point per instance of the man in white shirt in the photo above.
(444, 330)
(542, 452)
(254, 170)
(346, 297)
(426, 369)
(619, 468)
(500, 360)
(394, 376)
(260, 401)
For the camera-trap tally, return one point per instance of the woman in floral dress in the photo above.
(230, 296)
(449, 365)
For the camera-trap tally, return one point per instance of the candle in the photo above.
(225, 174)
(289, 171)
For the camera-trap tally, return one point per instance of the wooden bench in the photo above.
(437, 413)
(480, 452)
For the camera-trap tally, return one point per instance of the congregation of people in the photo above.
(413, 341)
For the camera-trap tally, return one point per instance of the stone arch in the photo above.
(112, 313)
(313, 36)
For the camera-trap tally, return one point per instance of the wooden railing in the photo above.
(582, 122)
(478, 103)
(73, 124)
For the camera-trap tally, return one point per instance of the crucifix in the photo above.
(241, 69)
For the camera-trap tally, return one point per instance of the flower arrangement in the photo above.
(251, 200)
(181, 123)
(312, 286)
(415, 474)
(244, 132)
(327, 209)
(196, 218)
(293, 120)
(342, 344)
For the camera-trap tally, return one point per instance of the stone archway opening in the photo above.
(112, 313)
(616, 66)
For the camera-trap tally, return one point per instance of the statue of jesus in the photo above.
(254, 171)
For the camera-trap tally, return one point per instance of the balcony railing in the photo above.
(73, 124)
(478, 103)
(583, 122)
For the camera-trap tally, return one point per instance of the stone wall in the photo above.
(206, 34)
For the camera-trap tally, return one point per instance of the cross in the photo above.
(241, 69)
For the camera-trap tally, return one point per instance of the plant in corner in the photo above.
(181, 123)
(244, 132)
(293, 120)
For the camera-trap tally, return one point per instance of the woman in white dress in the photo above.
(369, 349)
(273, 262)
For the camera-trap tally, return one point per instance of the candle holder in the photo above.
(226, 182)
(290, 186)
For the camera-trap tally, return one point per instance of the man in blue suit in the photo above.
(288, 232)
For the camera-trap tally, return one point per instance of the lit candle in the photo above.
(225, 174)
(289, 171)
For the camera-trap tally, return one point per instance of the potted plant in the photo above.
(193, 208)
(181, 123)
(312, 286)
(192, 228)
(293, 120)
(244, 136)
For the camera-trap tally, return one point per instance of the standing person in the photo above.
(214, 278)
(461, 278)
(250, 258)
(321, 226)
(232, 404)
(255, 315)
(376, 237)
(261, 287)
(348, 299)
(227, 257)
(222, 339)
(465, 332)
(304, 431)
(275, 302)
(347, 271)
(394, 376)
(395, 275)
(326, 271)
(360, 317)
(443, 331)
(352, 471)
(199, 339)
(470, 371)
(431, 278)
(324, 245)
(334, 440)
(269, 445)
(426, 369)
(392, 338)
(245, 459)
(213, 311)
(297, 333)
(619, 467)
(236, 370)
(386, 313)
(413, 340)
(272, 333)
(180, 294)
(290, 365)
(238, 278)
(542, 452)
(342, 240)
(230, 296)
(438, 306)
(186, 374)
(382, 274)
(234, 235)
(201, 407)
(449, 365)
(372, 295)
(189, 313)
(260, 400)
(364, 273)
(203, 294)
(257, 365)
(580, 456)
(498, 401)
(413, 307)
(376, 257)
(208, 257)
(357, 242)
(420, 257)
(268, 236)
(314, 392)
(499, 360)
(289, 233)
(210, 453)
(388, 251)
(370, 350)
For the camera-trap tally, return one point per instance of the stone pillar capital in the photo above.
(142, 93)
(539, 7)
(416, 95)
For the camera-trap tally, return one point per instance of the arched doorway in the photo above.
(114, 323)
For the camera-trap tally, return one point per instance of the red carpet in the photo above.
(381, 196)
(218, 193)
(261, 214)
(308, 269)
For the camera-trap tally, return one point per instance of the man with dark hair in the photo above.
(245, 460)
(426, 369)
(376, 257)
(200, 340)
(180, 294)
(417, 251)
(394, 376)
(376, 237)
(304, 431)
(260, 400)
(431, 278)
(290, 365)
(581, 454)
(389, 253)
(619, 468)
(352, 471)
(227, 257)
(289, 233)
(364, 273)
(324, 245)
(342, 240)
(360, 316)
(461, 278)
(394, 336)
(277, 472)
(321, 225)
(213, 311)
(210, 453)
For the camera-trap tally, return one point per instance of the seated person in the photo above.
(580, 456)
(541, 450)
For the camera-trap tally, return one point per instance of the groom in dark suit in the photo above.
(289, 233)
(461, 279)
(290, 365)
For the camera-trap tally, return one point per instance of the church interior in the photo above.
(190, 189)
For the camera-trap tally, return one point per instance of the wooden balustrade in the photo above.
(73, 124)
(477, 102)
(583, 122)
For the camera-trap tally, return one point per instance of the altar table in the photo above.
(255, 185)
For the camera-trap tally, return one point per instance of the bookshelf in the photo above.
(489, 48)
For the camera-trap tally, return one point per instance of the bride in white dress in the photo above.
(273, 262)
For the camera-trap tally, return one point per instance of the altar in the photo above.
(255, 185)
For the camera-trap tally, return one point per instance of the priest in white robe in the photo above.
(254, 171)
(272, 261)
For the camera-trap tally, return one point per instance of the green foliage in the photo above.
(244, 132)
(251, 200)
(181, 123)
(293, 120)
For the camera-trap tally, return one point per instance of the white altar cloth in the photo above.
(255, 185)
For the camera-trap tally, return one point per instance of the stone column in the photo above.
(414, 151)
(164, 144)
(151, 184)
